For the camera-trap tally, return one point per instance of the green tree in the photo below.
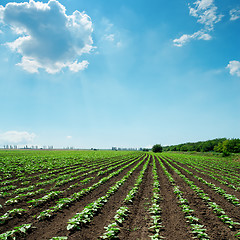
(157, 148)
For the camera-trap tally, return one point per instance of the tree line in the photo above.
(222, 145)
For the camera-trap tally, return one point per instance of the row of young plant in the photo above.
(228, 181)
(23, 196)
(54, 175)
(53, 195)
(217, 164)
(155, 209)
(215, 168)
(41, 174)
(231, 198)
(50, 196)
(16, 164)
(68, 171)
(100, 169)
(17, 232)
(112, 166)
(221, 214)
(64, 202)
(4, 190)
(87, 214)
(11, 214)
(197, 228)
(113, 229)
(226, 167)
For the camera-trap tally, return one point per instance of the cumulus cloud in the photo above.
(48, 39)
(15, 137)
(206, 13)
(234, 14)
(186, 38)
(234, 68)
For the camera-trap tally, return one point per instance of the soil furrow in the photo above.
(105, 216)
(138, 221)
(59, 222)
(16, 221)
(216, 229)
(175, 226)
(209, 179)
(231, 210)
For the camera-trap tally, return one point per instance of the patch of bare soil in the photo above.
(175, 226)
(209, 179)
(138, 221)
(56, 226)
(105, 216)
(27, 217)
(137, 224)
(216, 229)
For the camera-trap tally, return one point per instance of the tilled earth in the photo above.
(136, 226)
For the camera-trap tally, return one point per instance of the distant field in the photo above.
(118, 195)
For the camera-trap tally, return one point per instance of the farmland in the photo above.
(118, 195)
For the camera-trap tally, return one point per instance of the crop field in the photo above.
(118, 195)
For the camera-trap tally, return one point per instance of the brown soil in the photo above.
(57, 225)
(175, 226)
(137, 224)
(216, 229)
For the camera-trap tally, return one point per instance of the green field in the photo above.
(60, 194)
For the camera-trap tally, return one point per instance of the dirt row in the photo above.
(22, 204)
(51, 227)
(216, 229)
(209, 179)
(137, 224)
(60, 170)
(28, 216)
(205, 174)
(57, 226)
(230, 209)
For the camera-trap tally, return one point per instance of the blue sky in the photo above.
(119, 73)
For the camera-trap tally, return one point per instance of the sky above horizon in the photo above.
(119, 73)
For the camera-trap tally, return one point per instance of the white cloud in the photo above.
(75, 67)
(206, 13)
(30, 65)
(182, 40)
(69, 137)
(235, 14)
(204, 4)
(205, 36)
(49, 39)
(15, 137)
(234, 67)
(186, 38)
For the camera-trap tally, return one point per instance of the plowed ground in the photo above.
(137, 224)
